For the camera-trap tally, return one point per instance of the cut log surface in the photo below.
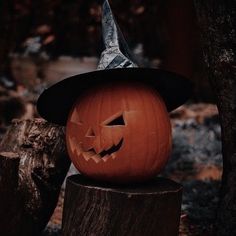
(33, 165)
(91, 208)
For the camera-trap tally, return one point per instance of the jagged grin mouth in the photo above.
(111, 150)
(103, 155)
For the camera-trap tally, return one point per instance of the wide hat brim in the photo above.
(55, 103)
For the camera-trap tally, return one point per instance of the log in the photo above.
(33, 165)
(92, 208)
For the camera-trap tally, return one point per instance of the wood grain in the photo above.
(92, 208)
(33, 165)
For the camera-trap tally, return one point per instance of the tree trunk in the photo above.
(91, 208)
(7, 30)
(33, 165)
(11, 106)
(217, 21)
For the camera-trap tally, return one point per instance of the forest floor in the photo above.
(196, 163)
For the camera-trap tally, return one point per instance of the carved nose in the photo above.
(90, 133)
(89, 138)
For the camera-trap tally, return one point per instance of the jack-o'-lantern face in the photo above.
(119, 133)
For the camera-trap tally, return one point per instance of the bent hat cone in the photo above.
(116, 63)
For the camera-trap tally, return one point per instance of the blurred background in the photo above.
(45, 41)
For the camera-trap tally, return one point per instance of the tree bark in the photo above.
(217, 21)
(91, 208)
(33, 165)
(7, 31)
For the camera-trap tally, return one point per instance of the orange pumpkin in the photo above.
(119, 133)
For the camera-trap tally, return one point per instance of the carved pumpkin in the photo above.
(119, 133)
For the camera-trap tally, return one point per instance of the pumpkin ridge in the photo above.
(166, 123)
(143, 97)
(157, 122)
(129, 135)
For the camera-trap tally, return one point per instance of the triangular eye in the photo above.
(117, 121)
(75, 117)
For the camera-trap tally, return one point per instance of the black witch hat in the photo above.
(55, 103)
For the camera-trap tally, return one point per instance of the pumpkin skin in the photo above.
(119, 133)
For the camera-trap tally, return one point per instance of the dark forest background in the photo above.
(161, 33)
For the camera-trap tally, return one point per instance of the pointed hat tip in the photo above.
(116, 53)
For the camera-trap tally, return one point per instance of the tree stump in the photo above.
(33, 165)
(92, 208)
